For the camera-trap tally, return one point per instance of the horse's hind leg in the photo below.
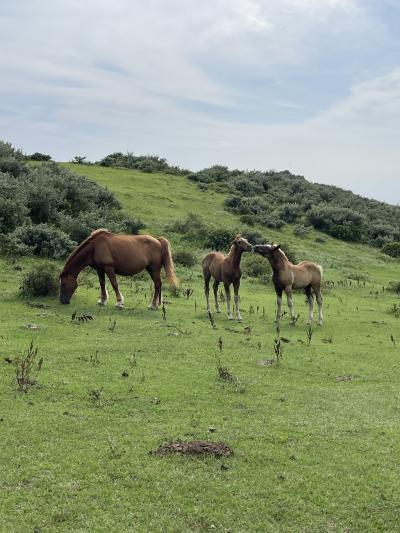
(207, 277)
(310, 301)
(113, 280)
(155, 276)
(288, 291)
(318, 295)
(228, 299)
(215, 287)
(103, 291)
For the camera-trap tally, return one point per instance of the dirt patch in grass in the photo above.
(266, 362)
(195, 447)
(345, 378)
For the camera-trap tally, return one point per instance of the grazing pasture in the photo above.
(313, 425)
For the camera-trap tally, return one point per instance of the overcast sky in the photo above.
(312, 86)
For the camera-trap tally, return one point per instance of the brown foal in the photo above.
(286, 276)
(225, 269)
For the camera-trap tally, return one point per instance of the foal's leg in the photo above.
(236, 286)
(103, 291)
(156, 277)
(288, 291)
(278, 304)
(319, 302)
(207, 277)
(310, 304)
(215, 287)
(113, 280)
(228, 299)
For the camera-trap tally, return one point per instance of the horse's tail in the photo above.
(167, 262)
(320, 269)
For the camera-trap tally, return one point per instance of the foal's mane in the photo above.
(83, 244)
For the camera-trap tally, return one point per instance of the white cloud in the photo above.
(104, 75)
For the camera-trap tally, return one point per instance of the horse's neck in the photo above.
(79, 261)
(279, 263)
(235, 256)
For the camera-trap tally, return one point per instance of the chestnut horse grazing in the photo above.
(118, 254)
(226, 269)
(286, 276)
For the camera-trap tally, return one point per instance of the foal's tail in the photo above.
(167, 262)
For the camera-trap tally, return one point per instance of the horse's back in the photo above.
(128, 254)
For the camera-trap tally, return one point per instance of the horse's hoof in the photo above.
(119, 305)
(101, 302)
(230, 317)
(218, 310)
(319, 323)
(152, 307)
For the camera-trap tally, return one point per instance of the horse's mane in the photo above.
(84, 243)
(284, 255)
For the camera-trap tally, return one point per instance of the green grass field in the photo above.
(312, 452)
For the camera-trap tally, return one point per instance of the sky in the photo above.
(311, 86)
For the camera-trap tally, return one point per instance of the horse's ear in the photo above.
(238, 236)
(277, 247)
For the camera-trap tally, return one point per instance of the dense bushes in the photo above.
(392, 249)
(184, 258)
(45, 209)
(145, 163)
(42, 280)
(273, 199)
(37, 156)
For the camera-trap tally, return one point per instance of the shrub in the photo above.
(37, 156)
(44, 241)
(219, 239)
(394, 286)
(12, 161)
(41, 280)
(132, 225)
(392, 249)
(184, 258)
(301, 231)
(255, 266)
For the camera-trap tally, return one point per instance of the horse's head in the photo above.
(242, 244)
(68, 284)
(266, 250)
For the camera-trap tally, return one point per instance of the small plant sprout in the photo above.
(309, 334)
(96, 397)
(164, 312)
(220, 344)
(211, 318)
(278, 346)
(393, 340)
(25, 366)
(112, 326)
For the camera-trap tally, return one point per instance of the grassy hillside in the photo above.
(315, 437)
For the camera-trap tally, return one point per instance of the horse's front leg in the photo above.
(288, 291)
(228, 299)
(113, 280)
(236, 286)
(103, 291)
